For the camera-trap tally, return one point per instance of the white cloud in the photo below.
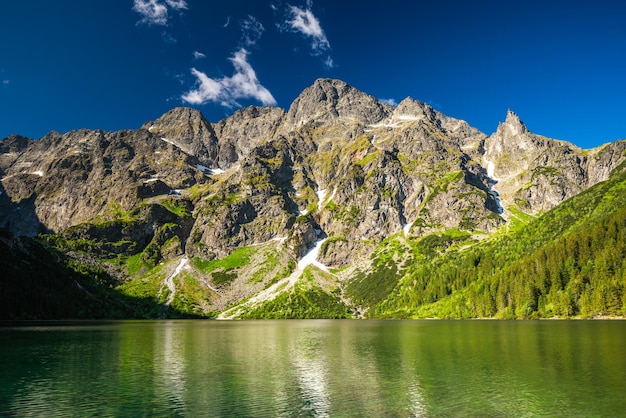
(391, 102)
(227, 90)
(197, 55)
(156, 12)
(227, 22)
(177, 4)
(251, 30)
(303, 20)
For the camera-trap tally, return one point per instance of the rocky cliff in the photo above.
(237, 204)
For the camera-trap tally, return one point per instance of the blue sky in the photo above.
(70, 64)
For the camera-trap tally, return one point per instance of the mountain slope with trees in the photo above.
(400, 211)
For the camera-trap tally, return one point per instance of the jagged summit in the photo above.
(329, 99)
(179, 117)
(410, 107)
(512, 125)
(187, 129)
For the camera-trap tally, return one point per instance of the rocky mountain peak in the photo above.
(14, 143)
(512, 125)
(411, 108)
(178, 117)
(328, 100)
(187, 129)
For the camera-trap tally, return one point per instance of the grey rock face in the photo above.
(536, 173)
(339, 165)
(245, 129)
(188, 130)
(328, 100)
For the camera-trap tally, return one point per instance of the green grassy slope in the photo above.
(39, 282)
(567, 263)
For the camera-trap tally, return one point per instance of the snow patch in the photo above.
(492, 180)
(395, 121)
(406, 228)
(169, 282)
(406, 117)
(304, 212)
(209, 171)
(491, 169)
(152, 180)
(151, 128)
(283, 285)
(321, 195)
(170, 142)
(332, 195)
(37, 173)
(311, 257)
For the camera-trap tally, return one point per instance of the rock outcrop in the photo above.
(535, 173)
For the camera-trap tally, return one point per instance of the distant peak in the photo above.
(329, 81)
(511, 116)
(512, 125)
(411, 105)
(183, 113)
(176, 117)
(328, 99)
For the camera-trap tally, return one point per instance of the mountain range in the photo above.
(342, 206)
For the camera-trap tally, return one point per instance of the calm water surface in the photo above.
(315, 368)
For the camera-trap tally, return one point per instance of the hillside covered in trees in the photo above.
(569, 262)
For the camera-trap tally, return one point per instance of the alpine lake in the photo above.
(317, 368)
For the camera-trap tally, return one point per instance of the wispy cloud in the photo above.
(226, 91)
(251, 30)
(177, 4)
(303, 21)
(5, 83)
(197, 55)
(168, 38)
(156, 12)
(227, 22)
(392, 102)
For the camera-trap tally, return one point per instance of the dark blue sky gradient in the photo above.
(560, 65)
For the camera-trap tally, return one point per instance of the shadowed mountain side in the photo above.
(39, 283)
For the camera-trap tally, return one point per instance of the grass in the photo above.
(176, 208)
(236, 259)
(305, 301)
(134, 264)
(368, 158)
(222, 270)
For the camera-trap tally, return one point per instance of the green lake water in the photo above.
(334, 368)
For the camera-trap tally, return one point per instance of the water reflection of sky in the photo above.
(169, 366)
(309, 361)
